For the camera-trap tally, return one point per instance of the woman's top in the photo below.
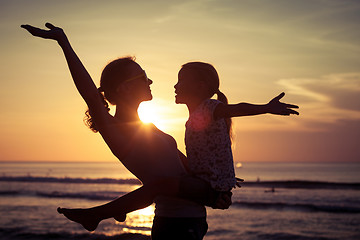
(154, 154)
(208, 147)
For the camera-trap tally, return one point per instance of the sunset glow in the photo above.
(308, 49)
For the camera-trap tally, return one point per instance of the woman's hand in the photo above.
(54, 33)
(223, 201)
(279, 108)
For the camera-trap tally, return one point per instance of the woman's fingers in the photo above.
(49, 25)
(26, 26)
(55, 33)
(34, 30)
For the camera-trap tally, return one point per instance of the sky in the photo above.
(309, 49)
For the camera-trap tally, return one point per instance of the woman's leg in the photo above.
(187, 187)
(165, 228)
(140, 198)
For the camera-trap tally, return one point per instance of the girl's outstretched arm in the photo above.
(247, 109)
(81, 77)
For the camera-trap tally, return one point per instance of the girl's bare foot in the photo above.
(82, 216)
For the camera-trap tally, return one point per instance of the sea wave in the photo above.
(303, 184)
(110, 195)
(298, 184)
(303, 207)
(288, 236)
(98, 195)
(131, 181)
(20, 234)
(88, 196)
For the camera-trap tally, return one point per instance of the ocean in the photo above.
(276, 201)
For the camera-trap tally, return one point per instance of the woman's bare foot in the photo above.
(81, 216)
(120, 218)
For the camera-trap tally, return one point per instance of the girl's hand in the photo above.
(279, 108)
(54, 33)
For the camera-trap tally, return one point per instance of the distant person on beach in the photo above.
(207, 136)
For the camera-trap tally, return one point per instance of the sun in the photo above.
(148, 112)
(152, 113)
(164, 115)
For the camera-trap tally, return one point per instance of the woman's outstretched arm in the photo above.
(81, 77)
(247, 109)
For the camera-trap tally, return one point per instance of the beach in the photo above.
(276, 201)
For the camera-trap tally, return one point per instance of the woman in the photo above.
(144, 150)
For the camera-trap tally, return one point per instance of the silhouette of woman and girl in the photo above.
(180, 186)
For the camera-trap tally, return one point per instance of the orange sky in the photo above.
(309, 49)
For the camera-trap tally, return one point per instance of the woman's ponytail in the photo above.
(113, 74)
(88, 120)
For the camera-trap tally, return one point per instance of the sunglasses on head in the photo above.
(143, 74)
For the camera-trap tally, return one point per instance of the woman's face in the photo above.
(137, 86)
(187, 88)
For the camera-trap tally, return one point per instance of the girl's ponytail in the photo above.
(222, 98)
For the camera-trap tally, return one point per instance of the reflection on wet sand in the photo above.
(139, 221)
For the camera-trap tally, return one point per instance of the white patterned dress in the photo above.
(208, 147)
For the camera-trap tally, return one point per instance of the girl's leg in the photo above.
(197, 190)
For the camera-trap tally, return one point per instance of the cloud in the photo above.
(328, 99)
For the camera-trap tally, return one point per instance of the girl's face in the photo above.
(188, 88)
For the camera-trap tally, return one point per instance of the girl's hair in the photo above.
(207, 73)
(113, 74)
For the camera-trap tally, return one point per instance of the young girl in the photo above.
(208, 129)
